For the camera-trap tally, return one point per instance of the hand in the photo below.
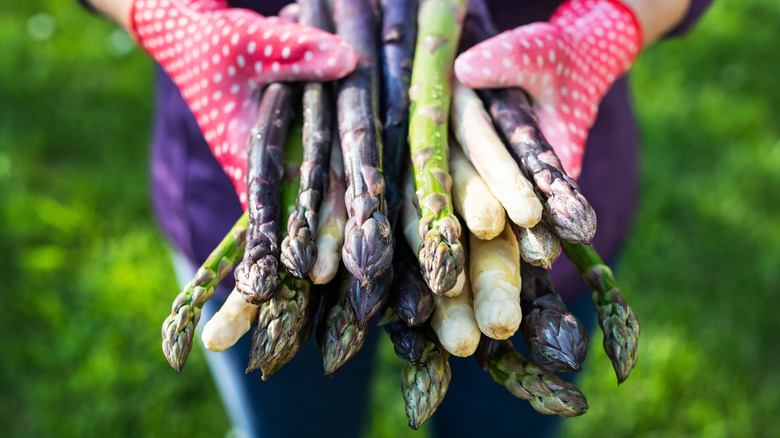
(566, 64)
(219, 57)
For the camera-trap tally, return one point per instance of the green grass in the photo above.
(87, 280)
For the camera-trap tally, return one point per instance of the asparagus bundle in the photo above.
(424, 384)
(338, 335)
(399, 28)
(441, 255)
(572, 216)
(495, 280)
(257, 275)
(479, 141)
(483, 214)
(179, 327)
(368, 244)
(299, 248)
(617, 320)
(330, 236)
(539, 246)
(555, 338)
(547, 393)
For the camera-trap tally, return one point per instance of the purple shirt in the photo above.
(195, 202)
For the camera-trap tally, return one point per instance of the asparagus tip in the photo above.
(299, 252)
(368, 247)
(573, 218)
(441, 261)
(258, 281)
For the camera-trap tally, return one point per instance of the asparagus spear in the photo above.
(547, 393)
(424, 384)
(367, 299)
(330, 236)
(284, 324)
(555, 338)
(573, 218)
(441, 255)
(485, 351)
(481, 144)
(256, 276)
(411, 298)
(368, 244)
(399, 28)
(236, 316)
(408, 342)
(539, 246)
(484, 215)
(338, 335)
(495, 281)
(454, 323)
(617, 320)
(299, 248)
(179, 327)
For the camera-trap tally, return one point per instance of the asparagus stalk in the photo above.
(399, 28)
(368, 244)
(236, 316)
(408, 342)
(617, 320)
(424, 384)
(573, 218)
(547, 393)
(495, 281)
(256, 276)
(411, 298)
(454, 323)
(555, 337)
(179, 327)
(330, 236)
(481, 144)
(299, 248)
(474, 202)
(284, 324)
(338, 335)
(539, 245)
(441, 255)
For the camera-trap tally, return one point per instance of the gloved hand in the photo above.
(566, 64)
(219, 57)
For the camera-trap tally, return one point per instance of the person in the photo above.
(214, 54)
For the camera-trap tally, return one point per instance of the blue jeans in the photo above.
(299, 402)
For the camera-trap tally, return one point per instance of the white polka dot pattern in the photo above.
(218, 57)
(566, 64)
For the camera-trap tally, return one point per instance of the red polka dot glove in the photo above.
(219, 57)
(566, 64)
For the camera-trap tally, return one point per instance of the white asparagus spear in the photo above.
(478, 139)
(231, 322)
(495, 282)
(454, 323)
(483, 214)
(539, 246)
(410, 217)
(330, 236)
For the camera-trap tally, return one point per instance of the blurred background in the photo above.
(86, 278)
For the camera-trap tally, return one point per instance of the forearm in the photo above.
(116, 10)
(656, 17)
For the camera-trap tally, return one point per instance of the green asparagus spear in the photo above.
(424, 384)
(547, 393)
(299, 248)
(439, 25)
(617, 320)
(179, 326)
